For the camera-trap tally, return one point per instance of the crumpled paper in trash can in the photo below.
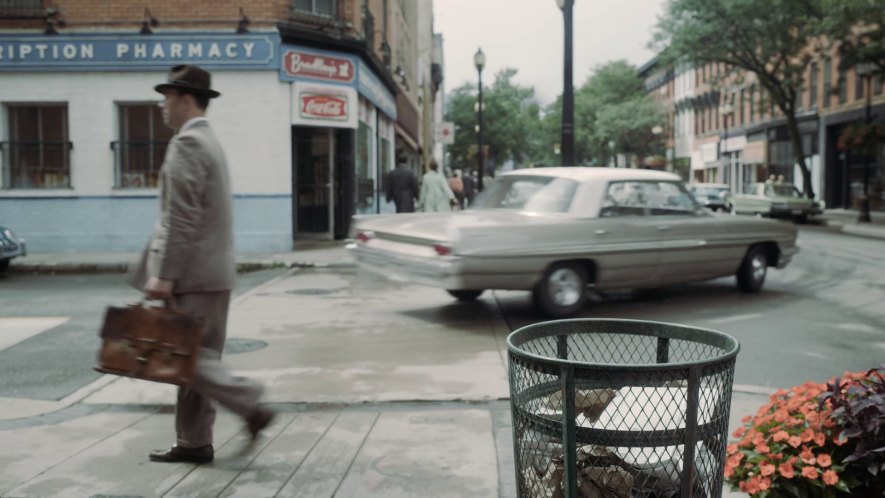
(588, 402)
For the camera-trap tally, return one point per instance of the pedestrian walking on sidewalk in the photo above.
(436, 195)
(190, 259)
(402, 187)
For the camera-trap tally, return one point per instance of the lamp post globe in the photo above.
(479, 60)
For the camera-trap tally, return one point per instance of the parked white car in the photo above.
(560, 231)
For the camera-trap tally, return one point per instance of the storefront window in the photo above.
(38, 148)
(139, 152)
(365, 191)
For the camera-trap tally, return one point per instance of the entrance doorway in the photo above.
(322, 182)
(312, 182)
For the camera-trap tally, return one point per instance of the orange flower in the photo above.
(762, 448)
(780, 435)
(807, 435)
(831, 477)
(786, 470)
(810, 473)
(739, 432)
(820, 439)
(824, 460)
(794, 441)
(764, 484)
(766, 469)
(807, 456)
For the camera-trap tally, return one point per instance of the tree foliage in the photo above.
(511, 118)
(858, 28)
(773, 39)
(612, 105)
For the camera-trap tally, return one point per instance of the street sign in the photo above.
(445, 132)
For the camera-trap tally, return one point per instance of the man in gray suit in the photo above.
(190, 259)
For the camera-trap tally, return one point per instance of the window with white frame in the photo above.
(139, 152)
(317, 7)
(37, 153)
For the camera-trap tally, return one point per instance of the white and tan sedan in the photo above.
(560, 232)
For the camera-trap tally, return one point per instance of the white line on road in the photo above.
(737, 318)
(15, 330)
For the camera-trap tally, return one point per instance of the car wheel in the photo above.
(801, 219)
(562, 291)
(751, 274)
(4, 264)
(465, 295)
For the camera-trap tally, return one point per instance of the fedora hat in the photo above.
(189, 79)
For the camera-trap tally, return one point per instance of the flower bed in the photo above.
(825, 440)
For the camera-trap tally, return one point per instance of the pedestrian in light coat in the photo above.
(436, 195)
(190, 260)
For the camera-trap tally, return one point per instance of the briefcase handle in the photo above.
(168, 303)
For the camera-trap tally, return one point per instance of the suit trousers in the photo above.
(195, 412)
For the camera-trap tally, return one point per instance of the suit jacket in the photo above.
(402, 189)
(192, 243)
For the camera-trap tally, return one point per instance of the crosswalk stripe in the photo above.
(16, 330)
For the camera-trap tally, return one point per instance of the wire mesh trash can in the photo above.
(620, 408)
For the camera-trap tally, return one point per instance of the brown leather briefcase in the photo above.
(157, 343)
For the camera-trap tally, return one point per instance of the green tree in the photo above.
(511, 117)
(612, 105)
(858, 28)
(769, 38)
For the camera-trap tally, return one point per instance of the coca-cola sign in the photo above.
(326, 68)
(319, 106)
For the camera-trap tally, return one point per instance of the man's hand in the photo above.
(157, 288)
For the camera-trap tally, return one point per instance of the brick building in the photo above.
(318, 98)
(727, 130)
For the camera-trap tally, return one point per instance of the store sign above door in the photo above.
(127, 52)
(315, 65)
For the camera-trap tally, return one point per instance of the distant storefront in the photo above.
(307, 133)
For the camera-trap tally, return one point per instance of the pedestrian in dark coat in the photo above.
(469, 190)
(402, 188)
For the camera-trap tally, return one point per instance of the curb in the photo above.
(864, 230)
(80, 268)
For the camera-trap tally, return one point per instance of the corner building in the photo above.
(317, 99)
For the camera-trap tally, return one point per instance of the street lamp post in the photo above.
(724, 110)
(479, 60)
(568, 92)
(866, 70)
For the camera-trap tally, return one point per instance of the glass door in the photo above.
(312, 177)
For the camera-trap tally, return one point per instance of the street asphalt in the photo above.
(418, 428)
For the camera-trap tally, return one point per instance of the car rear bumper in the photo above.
(439, 271)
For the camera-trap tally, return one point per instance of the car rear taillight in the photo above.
(365, 236)
(442, 250)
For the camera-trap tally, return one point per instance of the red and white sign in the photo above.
(319, 106)
(445, 132)
(315, 104)
(321, 67)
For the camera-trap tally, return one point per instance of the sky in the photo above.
(527, 35)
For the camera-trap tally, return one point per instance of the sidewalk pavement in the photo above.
(846, 221)
(377, 397)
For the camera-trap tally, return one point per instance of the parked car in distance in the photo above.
(10, 247)
(775, 200)
(713, 196)
(559, 232)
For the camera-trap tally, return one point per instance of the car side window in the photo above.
(666, 198)
(624, 199)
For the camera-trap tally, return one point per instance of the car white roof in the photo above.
(588, 173)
